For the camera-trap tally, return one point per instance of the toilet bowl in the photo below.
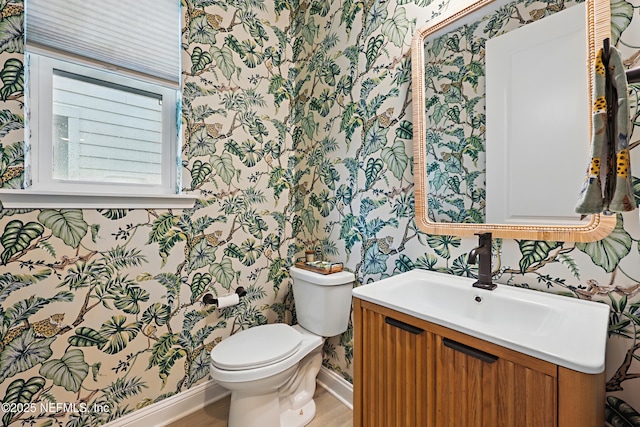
(256, 387)
(271, 369)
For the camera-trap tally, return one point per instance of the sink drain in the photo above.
(478, 299)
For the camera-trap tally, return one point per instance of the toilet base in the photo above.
(281, 399)
(264, 411)
(254, 411)
(300, 417)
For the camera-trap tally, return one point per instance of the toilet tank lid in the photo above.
(256, 347)
(333, 279)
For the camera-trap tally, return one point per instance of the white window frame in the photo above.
(42, 69)
(46, 192)
(40, 189)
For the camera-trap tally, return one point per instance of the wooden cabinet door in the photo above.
(390, 377)
(475, 388)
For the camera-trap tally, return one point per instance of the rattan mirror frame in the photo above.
(598, 29)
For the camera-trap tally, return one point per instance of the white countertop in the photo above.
(562, 330)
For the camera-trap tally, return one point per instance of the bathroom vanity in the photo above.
(461, 365)
(432, 350)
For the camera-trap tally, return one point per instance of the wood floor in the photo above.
(330, 412)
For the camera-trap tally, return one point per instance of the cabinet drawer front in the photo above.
(489, 391)
(393, 376)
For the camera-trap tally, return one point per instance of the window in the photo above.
(103, 97)
(104, 132)
(93, 130)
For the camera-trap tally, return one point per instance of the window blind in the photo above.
(139, 35)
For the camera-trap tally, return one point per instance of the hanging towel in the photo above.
(590, 199)
(610, 137)
(623, 199)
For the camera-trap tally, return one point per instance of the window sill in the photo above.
(30, 199)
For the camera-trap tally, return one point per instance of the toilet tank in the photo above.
(323, 301)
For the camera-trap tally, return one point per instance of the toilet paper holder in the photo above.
(210, 299)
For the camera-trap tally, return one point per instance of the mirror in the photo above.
(451, 129)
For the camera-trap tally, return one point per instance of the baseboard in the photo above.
(340, 388)
(197, 397)
(173, 408)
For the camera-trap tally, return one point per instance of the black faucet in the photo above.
(484, 268)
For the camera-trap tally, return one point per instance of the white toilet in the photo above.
(271, 369)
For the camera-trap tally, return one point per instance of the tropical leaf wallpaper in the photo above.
(297, 135)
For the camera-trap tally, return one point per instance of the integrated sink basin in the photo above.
(562, 330)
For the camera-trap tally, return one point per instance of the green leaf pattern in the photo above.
(68, 372)
(66, 224)
(21, 392)
(24, 353)
(17, 237)
(608, 252)
(12, 76)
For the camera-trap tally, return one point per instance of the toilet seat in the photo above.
(256, 347)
